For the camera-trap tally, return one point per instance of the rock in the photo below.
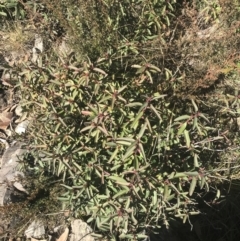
(8, 172)
(21, 127)
(38, 48)
(80, 231)
(35, 230)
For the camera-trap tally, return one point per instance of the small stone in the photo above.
(35, 230)
(80, 231)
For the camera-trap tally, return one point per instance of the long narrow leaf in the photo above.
(194, 105)
(140, 134)
(192, 186)
(127, 139)
(121, 193)
(183, 117)
(155, 112)
(142, 151)
(129, 151)
(113, 155)
(117, 179)
(133, 104)
(182, 128)
(134, 124)
(187, 138)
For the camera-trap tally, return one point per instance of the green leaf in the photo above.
(154, 68)
(127, 139)
(203, 181)
(187, 138)
(134, 220)
(87, 128)
(124, 143)
(192, 174)
(183, 117)
(185, 218)
(158, 96)
(136, 189)
(63, 198)
(121, 193)
(154, 198)
(117, 179)
(115, 167)
(156, 112)
(100, 71)
(194, 105)
(129, 151)
(141, 70)
(113, 155)
(143, 107)
(171, 197)
(193, 185)
(121, 89)
(142, 151)
(61, 168)
(111, 144)
(67, 187)
(94, 110)
(194, 213)
(103, 197)
(217, 194)
(196, 164)
(178, 175)
(195, 123)
(203, 116)
(182, 128)
(96, 135)
(136, 66)
(136, 163)
(103, 130)
(140, 134)
(166, 192)
(133, 104)
(149, 76)
(127, 203)
(199, 130)
(149, 125)
(3, 14)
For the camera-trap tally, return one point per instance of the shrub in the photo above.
(128, 160)
(136, 131)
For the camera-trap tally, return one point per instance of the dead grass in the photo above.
(15, 43)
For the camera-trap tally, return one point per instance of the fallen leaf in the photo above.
(20, 187)
(5, 119)
(64, 235)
